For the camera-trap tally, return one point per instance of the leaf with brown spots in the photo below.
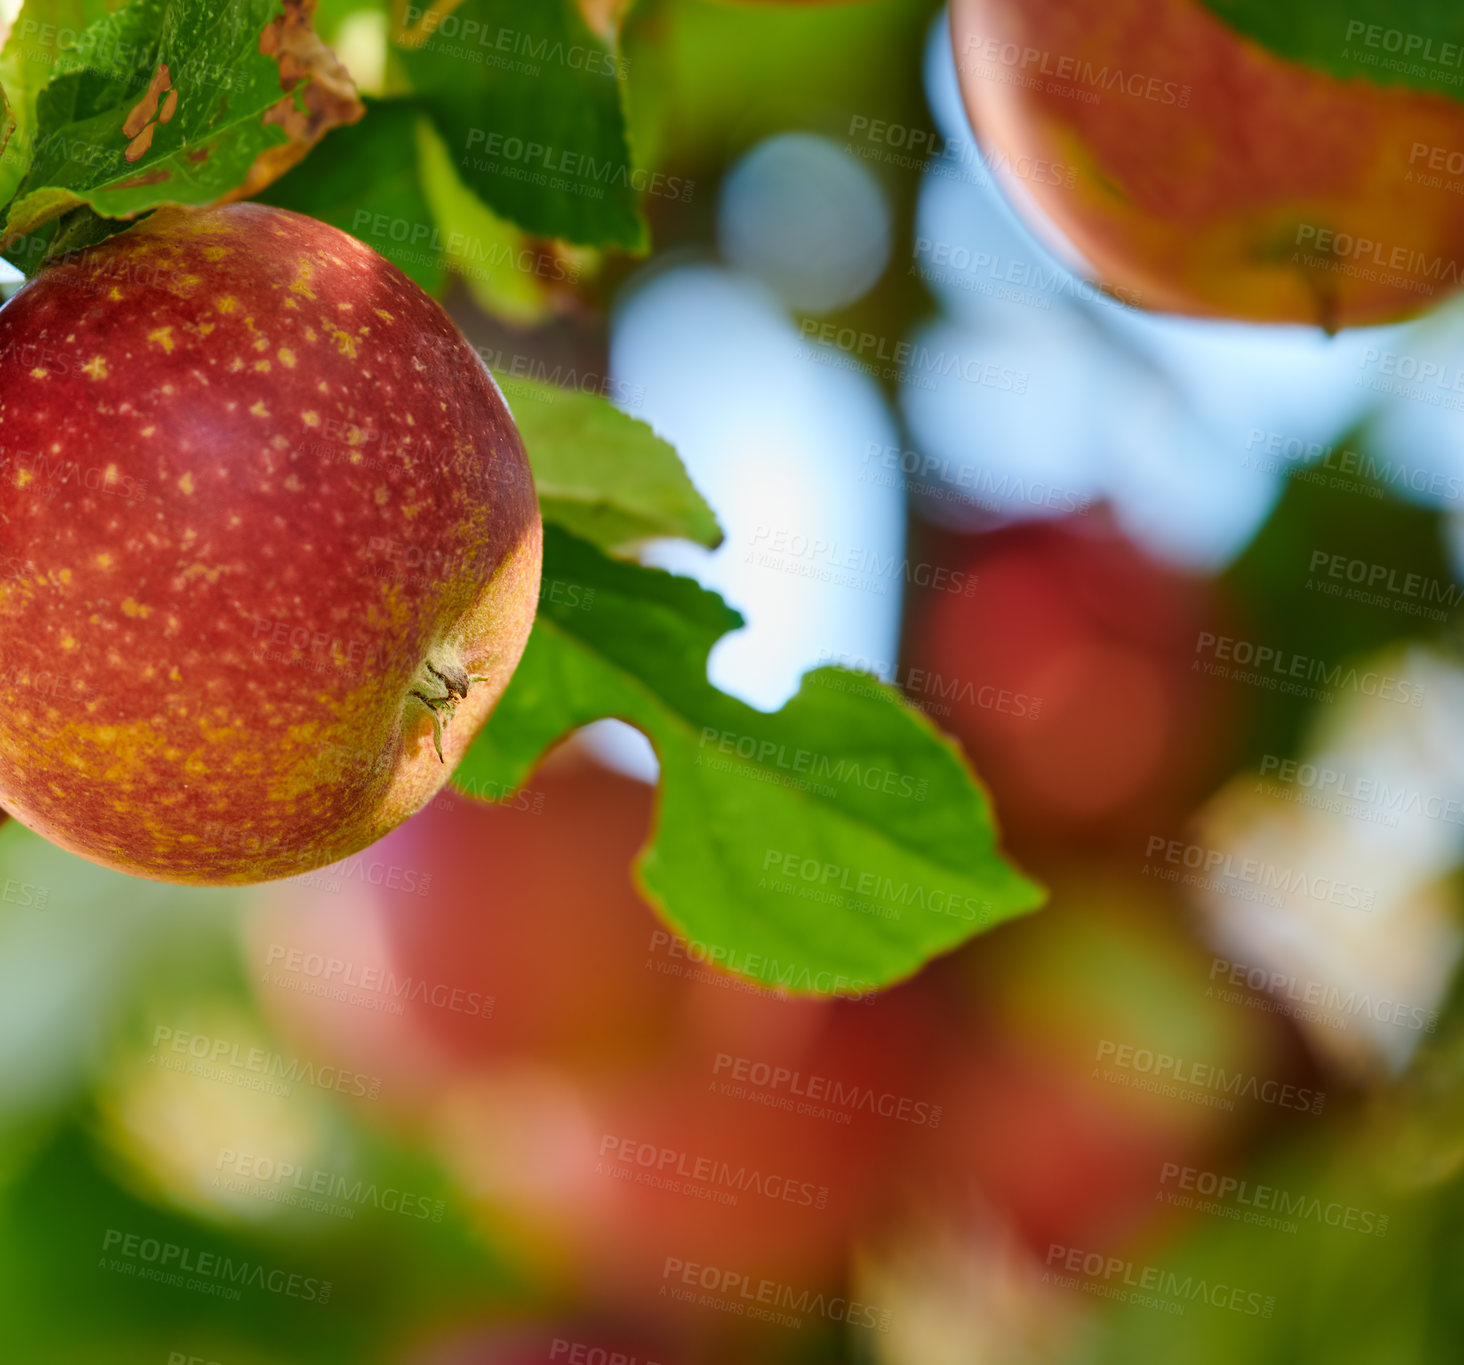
(320, 94)
(172, 102)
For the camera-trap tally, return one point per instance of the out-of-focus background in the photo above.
(1188, 595)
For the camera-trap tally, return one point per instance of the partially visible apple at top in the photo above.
(269, 547)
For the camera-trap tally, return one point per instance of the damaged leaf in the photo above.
(170, 102)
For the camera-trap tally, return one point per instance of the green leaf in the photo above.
(1345, 507)
(602, 475)
(40, 32)
(1414, 43)
(386, 209)
(528, 100)
(7, 124)
(829, 847)
(166, 102)
(207, 148)
(509, 274)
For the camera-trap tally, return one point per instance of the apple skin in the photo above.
(572, 1343)
(259, 482)
(1068, 679)
(601, 1032)
(1191, 192)
(530, 902)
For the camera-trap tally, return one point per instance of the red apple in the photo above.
(1067, 677)
(284, 547)
(605, 1038)
(486, 934)
(768, 1157)
(1041, 1126)
(568, 1343)
(1200, 173)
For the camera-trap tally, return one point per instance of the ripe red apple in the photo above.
(281, 543)
(526, 909)
(1210, 176)
(1039, 1128)
(766, 1156)
(568, 1343)
(1067, 678)
(605, 1039)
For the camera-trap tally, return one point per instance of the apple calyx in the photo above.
(440, 689)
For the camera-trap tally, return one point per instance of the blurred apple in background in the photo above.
(622, 1104)
(536, 898)
(477, 933)
(621, 1112)
(1066, 675)
(804, 1132)
(1214, 177)
(1036, 1131)
(571, 1343)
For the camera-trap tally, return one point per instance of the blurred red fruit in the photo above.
(1067, 677)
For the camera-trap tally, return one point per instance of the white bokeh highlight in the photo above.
(807, 219)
